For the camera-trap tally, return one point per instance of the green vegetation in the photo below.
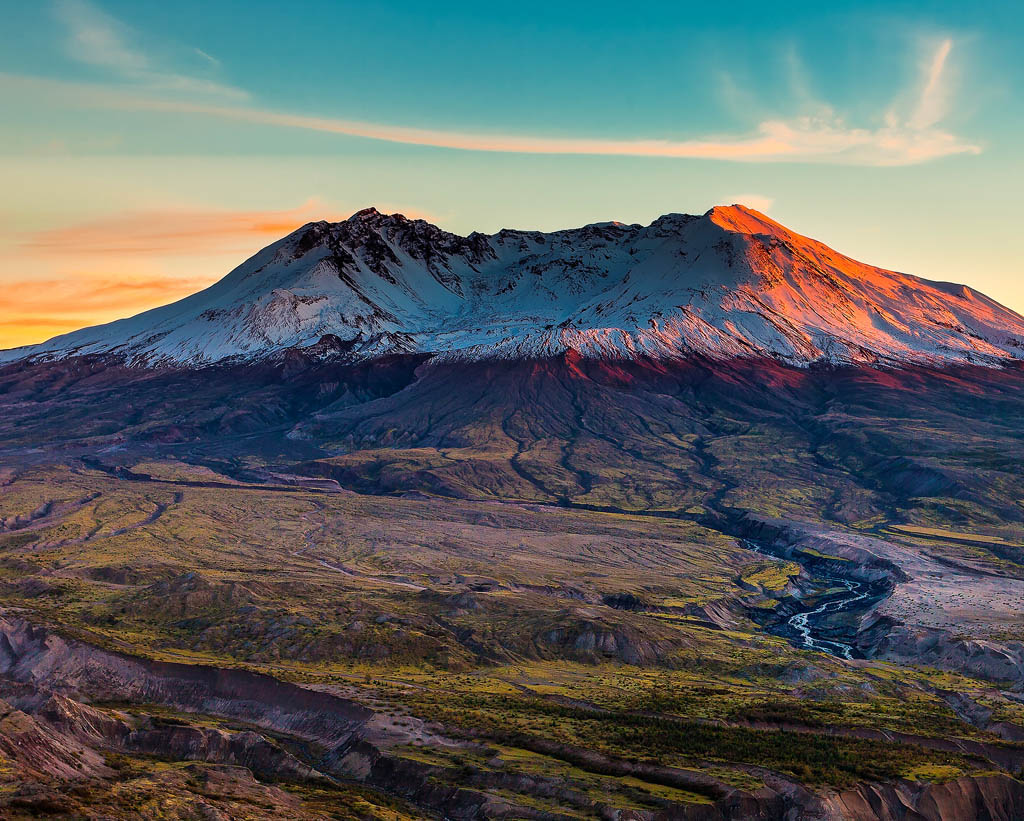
(813, 758)
(941, 533)
(771, 576)
(528, 635)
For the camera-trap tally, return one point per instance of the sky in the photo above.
(148, 148)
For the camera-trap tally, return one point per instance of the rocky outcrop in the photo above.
(35, 655)
(848, 555)
(989, 660)
(37, 748)
(190, 594)
(172, 738)
(593, 641)
(993, 798)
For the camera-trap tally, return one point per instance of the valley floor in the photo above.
(504, 659)
(562, 589)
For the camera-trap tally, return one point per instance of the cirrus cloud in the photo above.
(174, 231)
(96, 39)
(904, 134)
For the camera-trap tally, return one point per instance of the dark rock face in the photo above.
(29, 653)
(993, 798)
(176, 405)
(996, 661)
(625, 601)
(173, 739)
(370, 235)
(853, 554)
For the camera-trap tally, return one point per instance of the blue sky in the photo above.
(148, 147)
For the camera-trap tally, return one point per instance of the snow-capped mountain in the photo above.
(729, 283)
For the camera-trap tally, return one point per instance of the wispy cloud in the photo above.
(213, 61)
(825, 138)
(32, 310)
(95, 38)
(904, 134)
(187, 232)
(759, 202)
(121, 264)
(92, 293)
(933, 102)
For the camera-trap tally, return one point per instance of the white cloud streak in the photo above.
(213, 61)
(822, 137)
(933, 102)
(95, 38)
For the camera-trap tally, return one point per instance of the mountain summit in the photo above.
(730, 283)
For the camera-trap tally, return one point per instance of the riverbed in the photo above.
(809, 628)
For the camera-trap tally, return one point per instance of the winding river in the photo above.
(804, 629)
(804, 626)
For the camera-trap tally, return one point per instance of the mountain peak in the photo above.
(739, 219)
(373, 218)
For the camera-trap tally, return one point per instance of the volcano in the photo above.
(729, 284)
(744, 501)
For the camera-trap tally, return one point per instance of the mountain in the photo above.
(521, 526)
(731, 283)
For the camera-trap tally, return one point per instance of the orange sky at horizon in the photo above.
(104, 269)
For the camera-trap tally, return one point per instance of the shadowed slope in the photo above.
(653, 436)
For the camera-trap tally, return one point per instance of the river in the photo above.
(804, 629)
(804, 625)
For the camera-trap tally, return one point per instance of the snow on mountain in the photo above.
(729, 283)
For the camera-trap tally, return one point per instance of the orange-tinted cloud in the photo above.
(119, 265)
(34, 322)
(903, 138)
(56, 298)
(182, 232)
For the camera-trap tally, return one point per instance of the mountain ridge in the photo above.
(729, 283)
